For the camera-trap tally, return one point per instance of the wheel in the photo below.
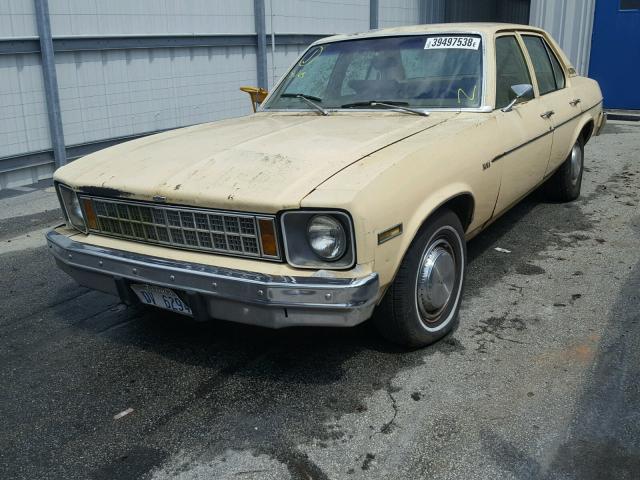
(421, 305)
(565, 184)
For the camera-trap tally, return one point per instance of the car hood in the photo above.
(264, 162)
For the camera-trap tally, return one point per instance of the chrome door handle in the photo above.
(575, 102)
(548, 114)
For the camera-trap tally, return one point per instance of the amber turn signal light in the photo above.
(92, 220)
(268, 237)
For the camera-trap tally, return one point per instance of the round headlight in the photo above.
(327, 237)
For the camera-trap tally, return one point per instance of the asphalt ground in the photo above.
(540, 380)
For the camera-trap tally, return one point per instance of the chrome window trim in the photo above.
(326, 264)
(203, 210)
(483, 108)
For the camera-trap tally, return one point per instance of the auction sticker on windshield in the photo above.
(469, 43)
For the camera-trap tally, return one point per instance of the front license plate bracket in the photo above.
(164, 298)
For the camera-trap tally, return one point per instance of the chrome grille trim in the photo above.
(190, 228)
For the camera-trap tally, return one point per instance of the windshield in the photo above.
(428, 71)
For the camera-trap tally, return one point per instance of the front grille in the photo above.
(181, 227)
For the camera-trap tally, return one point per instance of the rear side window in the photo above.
(557, 69)
(511, 69)
(546, 73)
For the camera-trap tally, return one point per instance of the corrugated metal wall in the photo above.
(125, 92)
(571, 24)
(509, 11)
(110, 93)
(143, 17)
(396, 13)
(17, 18)
(23, 123)
(318, 17)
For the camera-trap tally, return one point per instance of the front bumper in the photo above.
(602, 122)
(222, 293)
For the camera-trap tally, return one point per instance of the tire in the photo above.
(416, 310)
(565, 184)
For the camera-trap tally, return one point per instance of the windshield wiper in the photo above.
(309, 99)
(390, 104)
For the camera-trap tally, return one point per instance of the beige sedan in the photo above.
(353, 188)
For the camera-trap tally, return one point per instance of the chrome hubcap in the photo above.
(576, 163)
(436, 279)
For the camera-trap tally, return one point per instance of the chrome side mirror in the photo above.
(523, 92)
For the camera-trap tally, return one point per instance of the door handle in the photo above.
(548, 114)
(575, 102)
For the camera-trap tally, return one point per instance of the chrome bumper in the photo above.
(602, 122)
(221, 293)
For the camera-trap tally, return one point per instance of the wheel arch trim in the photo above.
(394, 254)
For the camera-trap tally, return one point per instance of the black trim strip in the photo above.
(126, 42)
(551, 130)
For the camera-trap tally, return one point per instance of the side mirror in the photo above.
(257, 95)
(522, 92)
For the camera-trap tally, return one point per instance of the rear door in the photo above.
(523, 134)
(560, 103)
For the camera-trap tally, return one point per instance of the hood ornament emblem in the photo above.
(159, 198)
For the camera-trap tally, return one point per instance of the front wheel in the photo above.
(421, 305)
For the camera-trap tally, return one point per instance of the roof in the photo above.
(486, 28)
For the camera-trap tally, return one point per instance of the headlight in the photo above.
(326, 237)
(318, 239)
(71, 207)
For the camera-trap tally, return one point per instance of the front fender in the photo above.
(389, 255)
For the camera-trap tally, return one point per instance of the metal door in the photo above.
(615, 52)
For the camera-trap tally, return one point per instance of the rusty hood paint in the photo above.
(264, 162)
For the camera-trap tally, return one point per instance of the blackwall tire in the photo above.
(566, 182)
(421, 306)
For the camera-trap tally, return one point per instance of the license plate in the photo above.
(162, 298)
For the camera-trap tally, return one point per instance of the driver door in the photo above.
(524, 133)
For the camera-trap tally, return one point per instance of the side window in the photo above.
(557, 69)
(541, 64)
(511, 69)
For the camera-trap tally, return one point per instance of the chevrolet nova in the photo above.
(354, 187)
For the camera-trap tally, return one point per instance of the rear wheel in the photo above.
(566, 183)
(421, 305)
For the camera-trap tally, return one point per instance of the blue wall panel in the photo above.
(615, 53)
